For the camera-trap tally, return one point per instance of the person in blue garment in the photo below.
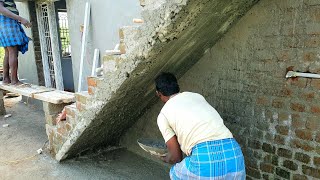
(189, 124)
(12, 38)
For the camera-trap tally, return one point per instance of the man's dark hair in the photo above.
(167, 84)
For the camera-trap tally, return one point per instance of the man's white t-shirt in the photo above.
(192, 119)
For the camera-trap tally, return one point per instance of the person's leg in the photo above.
(13, 63)
(6, 76)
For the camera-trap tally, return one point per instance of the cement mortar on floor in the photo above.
(26, 134)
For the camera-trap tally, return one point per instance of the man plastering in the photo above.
(189, 124)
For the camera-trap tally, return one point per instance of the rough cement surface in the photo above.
(174, 37)
(275, 120)
(26, 134)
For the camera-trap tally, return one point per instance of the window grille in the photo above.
(45, 21)
(64, 33)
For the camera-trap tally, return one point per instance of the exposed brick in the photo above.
(298, 123)
(290, 165)
(299, 177)
(314, 172)
(318, 137)
(312, 41)
(309, 56)
(316, 161)
(68, 127)
(254, 144)
(251, 162)
(268, 137)
(284, 153)
(265, 176)
(92, 81)
(283, 116)
(301, 83)
(279, 140)
(256, 132)
(269, 168)
(283, 173)
(283, 130)
(71, 111)
(51, 119)
(262, 101)
(313, 123)
(304, 134)
(82, 97)
(80, 107)
(302, 157)
(284, 55)
(315, 109)
(285, 92)
(268, 148)
(272, 159)
(297, 143)
(315, 83)
(312, 2)
(62, 128)
(50, 108)
(253, 172)
(91, 90)
(308, 96)
(314, 14)
(298, 107)
(277, 103)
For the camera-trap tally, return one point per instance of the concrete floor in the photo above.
(26, 134)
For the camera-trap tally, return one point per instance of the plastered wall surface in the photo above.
(276, 120)
(106, 18)
(175, 36)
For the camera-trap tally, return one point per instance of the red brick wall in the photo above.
(276, 120)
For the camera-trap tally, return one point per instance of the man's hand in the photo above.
(175, 153)
(26, 23)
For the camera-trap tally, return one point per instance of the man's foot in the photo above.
(16, 83)
(6, 81)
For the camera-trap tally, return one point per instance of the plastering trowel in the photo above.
(154, 147)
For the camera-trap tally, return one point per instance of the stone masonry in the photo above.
(275, 120)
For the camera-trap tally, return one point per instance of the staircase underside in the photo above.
(193, 30)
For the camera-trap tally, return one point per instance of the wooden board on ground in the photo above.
(41, 93)
(56, 97)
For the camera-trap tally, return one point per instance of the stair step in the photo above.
(82, 97)
(111, 63)
(93, 83)
(71, 110)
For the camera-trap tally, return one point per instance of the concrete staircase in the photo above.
(175, 35)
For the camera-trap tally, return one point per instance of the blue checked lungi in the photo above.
(216, 160)
(12, 34)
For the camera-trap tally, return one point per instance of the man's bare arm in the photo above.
(12, 15)
(175, 153)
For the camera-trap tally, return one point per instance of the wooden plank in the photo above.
(41, 93)
(25, 90)
(84, 43)
(56, 55)
(56, 97)
(43, 45)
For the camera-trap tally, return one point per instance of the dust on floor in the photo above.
(26, 134)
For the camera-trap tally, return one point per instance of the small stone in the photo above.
(8, 115)
(5, 125)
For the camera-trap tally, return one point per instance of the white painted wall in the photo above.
(107, 17)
